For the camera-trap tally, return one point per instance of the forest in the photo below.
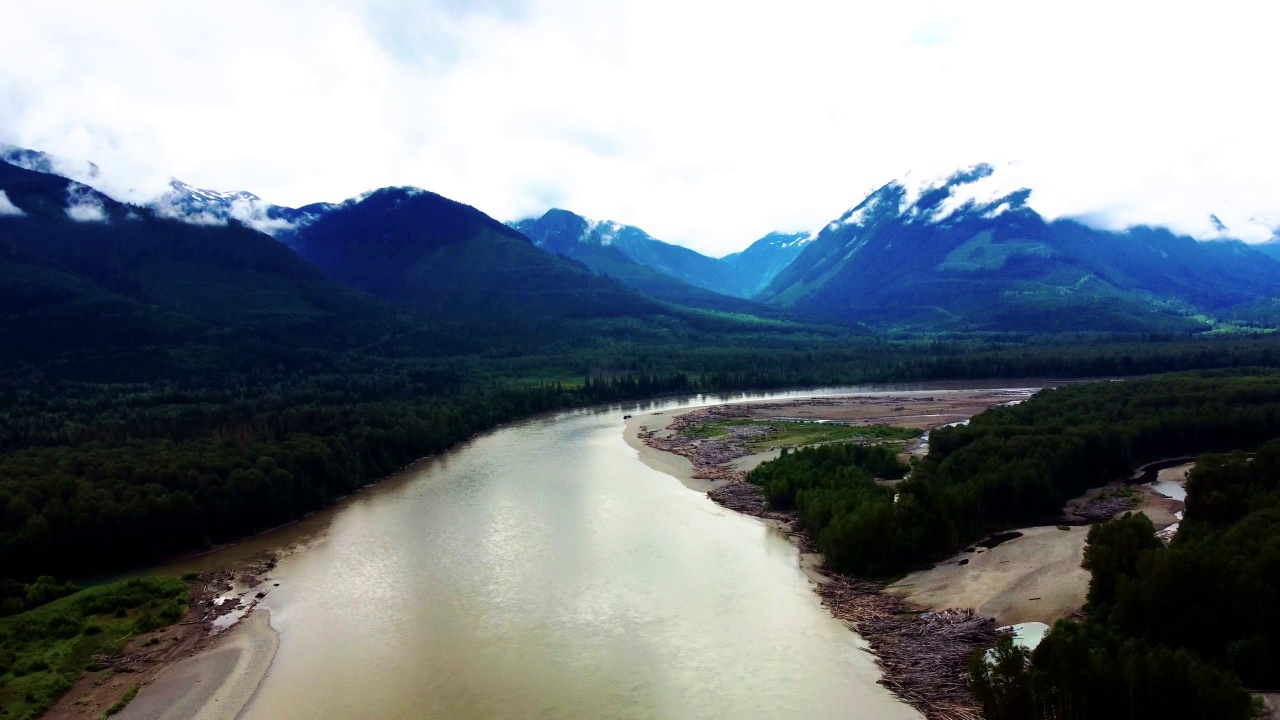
(102, 476)
(1171, 632)
(1016, 466)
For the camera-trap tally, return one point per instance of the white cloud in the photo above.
(83, 204)
(706, 123)
(7, 208)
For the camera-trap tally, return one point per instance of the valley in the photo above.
(186, 375)
(638, 361)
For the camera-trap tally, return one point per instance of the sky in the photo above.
(708, 124)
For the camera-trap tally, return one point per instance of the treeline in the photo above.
(826, 483)
(1171, 632)
(96, 476)
(1018, 465)
(236, 468)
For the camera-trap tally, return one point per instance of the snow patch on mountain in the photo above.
(860, 214)
(603, 232)
(7, 208)
(795, 239)
(200, 206)
(989, 195)
(978, 189)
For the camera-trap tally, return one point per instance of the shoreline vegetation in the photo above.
(924, 648)
(98, 651)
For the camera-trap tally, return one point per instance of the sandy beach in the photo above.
(1036, 577)
(215, 684)
(676, 466)
(1033, 578)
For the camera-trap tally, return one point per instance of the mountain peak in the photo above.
(976, 190)
(43, 162)
(201, 206)
(209, 197)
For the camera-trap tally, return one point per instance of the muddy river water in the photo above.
(543, 571)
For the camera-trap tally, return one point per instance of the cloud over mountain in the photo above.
(707, 131)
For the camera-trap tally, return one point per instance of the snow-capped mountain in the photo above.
(213, 207)
(968, 252)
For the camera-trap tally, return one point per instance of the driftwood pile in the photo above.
(709, 457)
(1104, 508)
(132, 662)
(740, 496)
(924, 656)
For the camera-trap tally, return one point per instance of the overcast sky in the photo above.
(706, 123)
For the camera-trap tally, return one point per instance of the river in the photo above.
(543, 571)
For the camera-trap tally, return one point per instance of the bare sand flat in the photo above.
(1036, 577)
(215, 684)
(678, 467)
(1158, 508)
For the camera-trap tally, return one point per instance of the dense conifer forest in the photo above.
(1171, 632)
(1016, 465)
(105, 475)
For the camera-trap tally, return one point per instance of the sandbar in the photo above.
(1033, 578)
(215, 684)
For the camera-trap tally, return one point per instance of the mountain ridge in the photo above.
(972, 255)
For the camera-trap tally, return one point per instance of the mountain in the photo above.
(967, 253)
(43, 162)
(214, 207)
(559, 232)
(90, 287)
(766, 257)
(424, 251)
(1270, 248)
(564, 233)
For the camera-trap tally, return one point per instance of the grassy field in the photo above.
(789, 433)
(43, 651)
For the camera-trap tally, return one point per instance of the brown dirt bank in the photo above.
(219, 600)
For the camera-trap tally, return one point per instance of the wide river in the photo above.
(543, 571)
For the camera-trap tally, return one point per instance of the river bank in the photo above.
(1026, 577)
(215, 684)
(537, 570)
(204, 666)
(922, 656)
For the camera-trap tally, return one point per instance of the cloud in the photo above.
(166, 206)
(706, 123)
(84, 205)
(7, 208)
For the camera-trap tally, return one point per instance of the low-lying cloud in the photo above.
(7, 208)
(84, 205)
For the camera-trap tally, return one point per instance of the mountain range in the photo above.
(960, 254)
(91, 287)
(966, 254)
